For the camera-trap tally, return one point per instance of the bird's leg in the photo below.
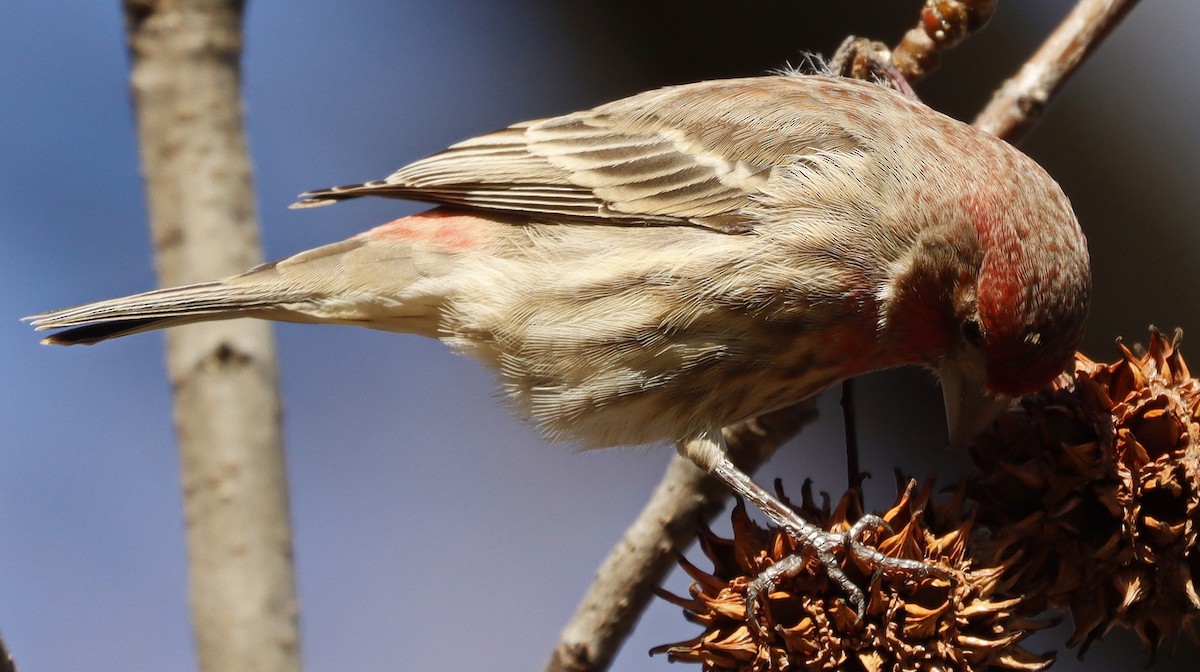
(708, 451)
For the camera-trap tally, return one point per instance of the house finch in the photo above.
(662, 266)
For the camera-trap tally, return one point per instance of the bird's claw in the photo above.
(868, 521)
(873, 557)
(765, 582)
(824, 544)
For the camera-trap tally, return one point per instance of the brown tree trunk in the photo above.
(187, 98)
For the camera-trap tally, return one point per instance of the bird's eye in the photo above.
(972, 331)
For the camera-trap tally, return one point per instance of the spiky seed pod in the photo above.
(911, 623)
(1091, 495)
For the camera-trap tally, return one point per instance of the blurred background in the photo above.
(432, 529)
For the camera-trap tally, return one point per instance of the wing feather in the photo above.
(692, 154)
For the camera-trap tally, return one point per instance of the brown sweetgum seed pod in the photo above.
(1089, 494)
(911, 623)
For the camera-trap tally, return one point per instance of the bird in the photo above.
(659, 267)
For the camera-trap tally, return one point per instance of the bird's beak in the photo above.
(970, 407)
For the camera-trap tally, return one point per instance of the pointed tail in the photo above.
(158, 309)
(375, 280)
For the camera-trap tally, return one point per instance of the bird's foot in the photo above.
(861, 58)
(708, 450)
(825, 545)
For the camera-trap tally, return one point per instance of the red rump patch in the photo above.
(446, 229)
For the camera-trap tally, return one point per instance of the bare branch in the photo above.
(6, 660)
(187, 97)
(1019, 102)
(941, 26)
(626, 581)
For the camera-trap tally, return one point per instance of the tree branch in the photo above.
(640, 561)
(186, 89)
(6, 659)
(940, 26)
(1019, 102)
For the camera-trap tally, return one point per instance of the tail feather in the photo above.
(330, 195)
(157, 309)
(102, 331)
(376, 280)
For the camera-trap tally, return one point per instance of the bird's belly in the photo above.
(635, 395)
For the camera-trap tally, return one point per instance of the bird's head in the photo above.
(1025, 316)
(999, 297)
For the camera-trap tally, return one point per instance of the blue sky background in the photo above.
(433, 530)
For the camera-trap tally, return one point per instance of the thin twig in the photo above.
(854, 475)
(941, 26)
(1019, 102)
(626, 581)
(6, 659)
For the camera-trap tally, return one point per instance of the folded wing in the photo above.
(694, 154)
